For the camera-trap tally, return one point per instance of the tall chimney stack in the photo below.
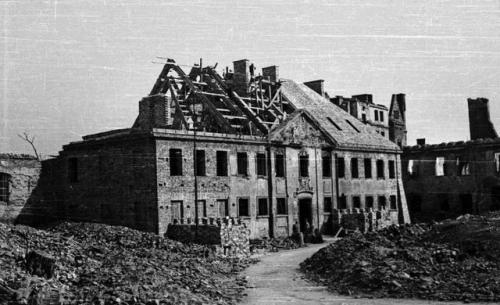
(480, 125)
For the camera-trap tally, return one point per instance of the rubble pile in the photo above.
(453, 260)
(100, 264)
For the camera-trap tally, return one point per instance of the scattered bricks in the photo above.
(40, 263)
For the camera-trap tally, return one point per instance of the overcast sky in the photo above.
(71, 68)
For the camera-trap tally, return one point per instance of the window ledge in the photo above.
(262, 216)
(281, 215)
(261, 177)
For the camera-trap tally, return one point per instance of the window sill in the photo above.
(244, 217)
(281, 215)
(261, 177)
(262, 216)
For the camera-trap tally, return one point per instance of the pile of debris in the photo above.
(452, 260)
(100, 264)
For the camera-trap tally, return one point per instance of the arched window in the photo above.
(4, 187)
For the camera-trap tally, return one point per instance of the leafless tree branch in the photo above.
(31, 140)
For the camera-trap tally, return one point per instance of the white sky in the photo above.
(71, 68)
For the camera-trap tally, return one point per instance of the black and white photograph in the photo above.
(226, 152)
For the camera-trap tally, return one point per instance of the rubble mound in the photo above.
(84, 263)
(452, 260)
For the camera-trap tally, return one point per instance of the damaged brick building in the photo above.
(448, 179)
(268, 151)
(19, 175)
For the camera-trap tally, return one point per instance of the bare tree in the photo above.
(31, 140)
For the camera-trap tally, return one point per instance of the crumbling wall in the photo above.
(366, 220)
(22, 172)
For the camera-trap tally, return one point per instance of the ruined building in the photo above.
(18, 179)
(255, 147)
(448, 179)
(388, 123)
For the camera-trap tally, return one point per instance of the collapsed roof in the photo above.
(240, 102)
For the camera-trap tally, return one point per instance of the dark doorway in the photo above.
(305, 213)
(466, 203)
(495, 198)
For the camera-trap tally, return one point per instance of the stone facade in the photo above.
(18, 179)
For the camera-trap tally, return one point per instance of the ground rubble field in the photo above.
(457, 259)
(84, 263)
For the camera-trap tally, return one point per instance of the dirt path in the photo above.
(276, 279)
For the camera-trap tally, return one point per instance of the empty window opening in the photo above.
(354, 168)
(356, 202)
(444, 204)
(381, 116)
(382, 202)
(392, 169)
(382, 133)
(262, 207)
(341, 167)
(393, 202)
(4, 187)
(243, 209)
(369, 202)
(200, 165)
(175, 162)
(261, 164)
(73, 169)
(242, 160)
(412, 168)
(497, 162)
(376, 115)
(415, 203)
(280, 165)
(353, 127)
(222, 207)
(380, 169)
(440, 166)
(342, 202)
(327, 204)
(333, 123)
(281, 206)
(326, 163)
(368, 168)
(463, 167)
(304, 165)
(176, 211)
(363, 117)
(221, 160)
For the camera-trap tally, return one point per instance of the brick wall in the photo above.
(22, 173)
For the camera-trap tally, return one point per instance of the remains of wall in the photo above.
(231, 237)
(21, 173)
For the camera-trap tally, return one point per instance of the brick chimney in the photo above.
(272, 72)
(153, 112)
(241, 76)
(317, 86)
(480, 125)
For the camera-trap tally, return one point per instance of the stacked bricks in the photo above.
(230, 237)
